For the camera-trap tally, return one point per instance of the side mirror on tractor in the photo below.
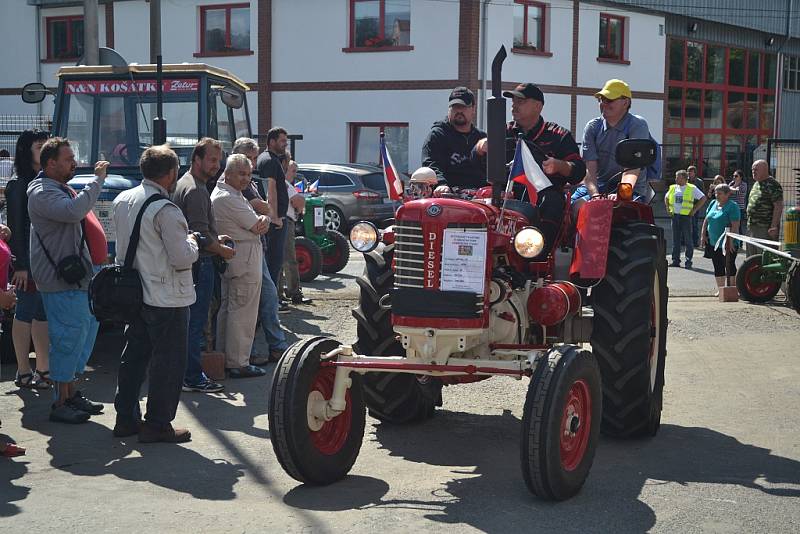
(636, 153)
(34, 92)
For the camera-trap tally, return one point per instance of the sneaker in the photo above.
(79, 402)
(152, 434)
(300, 299)
(67, 413)
(687, 265)
(258, 359)
(208, 386)
(675, 264)
(275, 355)
(283, 306)
(248, 371)
(124, 428)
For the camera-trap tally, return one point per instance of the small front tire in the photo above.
(561, 423)
(315, 452)
(309, 258)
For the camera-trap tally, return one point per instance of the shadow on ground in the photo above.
(483, 451)
(11, 470)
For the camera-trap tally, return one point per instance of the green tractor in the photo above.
(318, 250)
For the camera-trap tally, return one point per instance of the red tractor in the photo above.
(451, 295)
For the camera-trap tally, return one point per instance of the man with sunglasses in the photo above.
(600, 138)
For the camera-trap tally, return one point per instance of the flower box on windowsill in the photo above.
(531, 52)
(613, 60)
(224, 53)
(378, 49)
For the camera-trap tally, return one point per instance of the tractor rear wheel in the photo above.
(753, 283)
(629, 335)
(390, 397)
(311, 450)
(309, 258)
(561, 423)
(337, 256)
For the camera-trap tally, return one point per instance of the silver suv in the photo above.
(352, 192)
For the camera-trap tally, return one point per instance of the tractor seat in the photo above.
(525, 208)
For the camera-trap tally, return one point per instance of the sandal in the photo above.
(43, 380)
(12, 450)
(29, 381)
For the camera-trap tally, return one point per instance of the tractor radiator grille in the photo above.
(409, 250)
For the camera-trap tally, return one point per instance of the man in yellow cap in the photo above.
(600, 138)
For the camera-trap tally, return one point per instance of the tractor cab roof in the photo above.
(180, 69)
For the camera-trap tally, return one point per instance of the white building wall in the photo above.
(555, 70)
(309, 48)
(325, 128)
(645, 51)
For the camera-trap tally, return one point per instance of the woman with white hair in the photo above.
(241, 281)
(722, 214)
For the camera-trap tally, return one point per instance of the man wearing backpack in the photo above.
(600, 138)
(158, 336)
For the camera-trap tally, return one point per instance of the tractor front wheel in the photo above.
(753, 283)
(309, 258)
(390, 397)
(629, 334)
(336, 257)
(310, 449)
(561, 423)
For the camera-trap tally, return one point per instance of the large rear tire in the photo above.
(309, 258)
(337, 256)
(313, 451)
(561, 423)
(390, 397)
(629, 336)
(753, 284)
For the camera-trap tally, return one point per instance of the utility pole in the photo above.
(155, 30)
(91, 42)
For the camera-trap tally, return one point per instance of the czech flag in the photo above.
(525, 170)
(312, 188)
(394, 186)
(300, 186)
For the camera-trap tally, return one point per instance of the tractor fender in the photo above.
(592, 235)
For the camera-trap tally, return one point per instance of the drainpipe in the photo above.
(779, 70)
(482, 98)
(39, 107)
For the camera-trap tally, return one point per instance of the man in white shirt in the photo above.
(683, 200)
(289, 282)
(158, 337)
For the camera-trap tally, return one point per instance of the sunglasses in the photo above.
(604, 100)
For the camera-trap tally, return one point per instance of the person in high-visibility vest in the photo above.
(682, 201)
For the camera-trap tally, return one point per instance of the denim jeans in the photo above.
(682, 234)
(157, 337)
(268, 311)
(276, 240)
(72, 330)
(697, 223)
(198, 316)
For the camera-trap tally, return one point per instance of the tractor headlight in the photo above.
(364, 236)
(529, 242)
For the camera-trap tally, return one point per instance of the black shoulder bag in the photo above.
(70, 268)
(115, 292)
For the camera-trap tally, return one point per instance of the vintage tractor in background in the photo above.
(318, 249)
(459, 290)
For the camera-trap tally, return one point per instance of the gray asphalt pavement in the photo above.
(727, 458)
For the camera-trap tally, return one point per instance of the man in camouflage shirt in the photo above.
(764, 207)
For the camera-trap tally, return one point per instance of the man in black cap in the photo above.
(553, 148)
(450, 147)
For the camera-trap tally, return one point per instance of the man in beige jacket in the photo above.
(241, 281)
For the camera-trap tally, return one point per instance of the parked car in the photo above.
(352, 192)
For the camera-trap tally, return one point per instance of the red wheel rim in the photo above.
(333, 258)
(332, 436)
(751, 277)
(303, 256)
(576, 424)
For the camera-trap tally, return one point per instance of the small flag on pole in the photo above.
(312, 187)
(525, 170)
(300, 186)
(394, 186)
